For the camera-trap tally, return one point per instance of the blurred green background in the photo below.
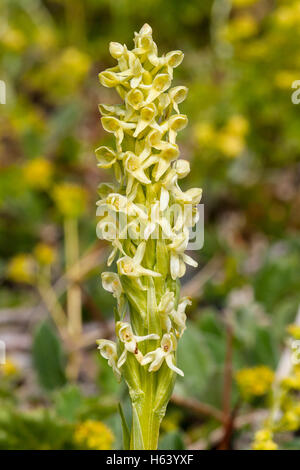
(243, 142)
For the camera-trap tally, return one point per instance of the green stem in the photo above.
(150, 407)
(146, 420)
(73, 291)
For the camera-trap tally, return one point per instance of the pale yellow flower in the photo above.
(108, 350)
(130, 341)
(164, 353)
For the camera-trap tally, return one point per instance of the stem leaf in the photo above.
(125, 429)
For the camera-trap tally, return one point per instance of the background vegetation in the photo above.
(243, 141)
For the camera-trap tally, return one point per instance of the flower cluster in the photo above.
(146, 216)
(284, 415)
(93, 435)
(255, 381)
(263, 440)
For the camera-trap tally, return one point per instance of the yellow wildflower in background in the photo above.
(76, 62)
(237, 125)
(254, 381)
(38, 173)
(231, 139)
(241, 27)
(263, 440)
(22, 268)
(205, 133)
(288, 15)
(243, 3)
(9, 368)
(292, 382)
(45, 254)
(290, 421)
(294, 331)
(70, 199)
(14, 40)
(285, 78)
(231, 145)
(171, 422)
(93, 435)
(53, 76)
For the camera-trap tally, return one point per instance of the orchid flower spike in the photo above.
(146, 218)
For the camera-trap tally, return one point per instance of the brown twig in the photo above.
(216, 435)
(197, 407)
(193, 287)
(91, 305)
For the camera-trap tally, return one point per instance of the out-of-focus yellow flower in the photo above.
(70, 199)
(243, 3)
(45, 37)
(22, 268)
(294, 331)
(74, 62)
(171, 422)
(265, 445)
(263, 440)
(93, 435)
(292, 383)
(230, 139)
(45, 254)
(290, 421)
(255, 381)
(263, 435)
(61, 74)
(230, 144)
(237, 125)
(204, 133)
(14, 40)
(288, 15)
(285, 78)
(38, 173)
(241, 27)
(9, 368)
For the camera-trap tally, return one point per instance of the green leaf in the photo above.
(68, 402)
(125, 428)
(196, 361)
(172, 441)
(162, 258)
(34, 430)
(294, 444)
(137, 442)
(48, 357)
